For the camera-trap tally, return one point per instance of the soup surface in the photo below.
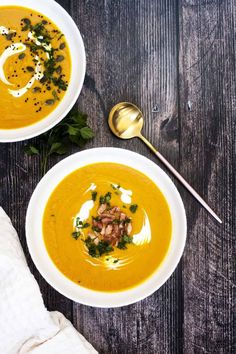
(35, 66)
(112, 249)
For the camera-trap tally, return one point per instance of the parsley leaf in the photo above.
(97, 250)
(94, 195)
(72, 130)
(31, 150)
(133, 208)
(76, 235)
(122, 244)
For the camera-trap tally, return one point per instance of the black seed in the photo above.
(21, 56)
(30, 69)
(59, 58)
(48, 88)
(49, 102)
(44, 22)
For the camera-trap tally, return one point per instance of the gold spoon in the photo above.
(126, 122)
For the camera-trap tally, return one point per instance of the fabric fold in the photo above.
(25, 324)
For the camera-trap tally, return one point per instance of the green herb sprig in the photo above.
(72, 130)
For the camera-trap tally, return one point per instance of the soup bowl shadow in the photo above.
(67, 26)
(37, 248)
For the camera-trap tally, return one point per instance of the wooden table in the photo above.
(176, 60)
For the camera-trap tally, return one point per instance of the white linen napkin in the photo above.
(25, 324)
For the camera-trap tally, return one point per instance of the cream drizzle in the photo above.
(16, 48)
(12, 50)
(84, 212)
(144, 236)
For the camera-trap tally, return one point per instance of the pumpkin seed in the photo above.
(49, 102)
(58, 70)
(43, 80)
(9, 36)
(21, 56)
(36, 89)
(62, 46)
(59, 58)
(30, 69)
(26, 21)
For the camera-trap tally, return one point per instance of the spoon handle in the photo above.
(180, 178)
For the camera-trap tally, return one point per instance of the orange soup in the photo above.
(35, 66)
(107, 227)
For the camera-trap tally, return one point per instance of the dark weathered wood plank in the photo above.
(132, 51)
(207, 85)
(132, 55)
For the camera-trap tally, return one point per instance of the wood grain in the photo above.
(177, 56)
(207, 83)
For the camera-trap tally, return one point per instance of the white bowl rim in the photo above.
(26, 132)
(59, 281)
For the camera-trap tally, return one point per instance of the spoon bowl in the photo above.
(126, 120)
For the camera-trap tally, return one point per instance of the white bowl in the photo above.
(62, 19)
(45, 265)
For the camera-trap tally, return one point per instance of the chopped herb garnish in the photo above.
(108, 197)
(95, 228)
(80, 224)
(94, 195)
(122, 244)
(96, 218)
(133, 208)
(76, 234)
(60, 83)
(127, 220)
(85, 225)
(97, 250)
(116, 221)
(115, 187)
(102, 200)
(105, 199)
(54, 93)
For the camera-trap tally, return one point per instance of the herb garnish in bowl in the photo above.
(110, 228)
